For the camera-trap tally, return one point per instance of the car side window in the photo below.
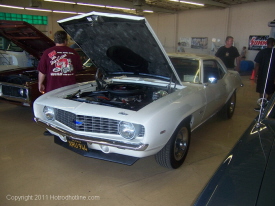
(187, 69)
(9, 46)
(212, 70)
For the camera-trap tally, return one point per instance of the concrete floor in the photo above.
(35, 171)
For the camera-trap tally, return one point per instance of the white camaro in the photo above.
(143, 102)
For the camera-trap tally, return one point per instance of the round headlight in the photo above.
(127, 130)
(21, 91)
(49, 113)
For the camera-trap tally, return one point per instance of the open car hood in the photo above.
(120, 44)
(25, 36)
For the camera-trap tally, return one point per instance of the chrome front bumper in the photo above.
(95, 140)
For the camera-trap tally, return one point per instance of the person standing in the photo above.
(265, 65)
(180, 48)
(228, 53)
(58, 65)
(243, 53)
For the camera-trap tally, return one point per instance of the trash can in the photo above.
(246, 67)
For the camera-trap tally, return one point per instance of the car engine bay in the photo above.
(127, 96)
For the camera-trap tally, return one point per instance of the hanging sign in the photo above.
(257, 42)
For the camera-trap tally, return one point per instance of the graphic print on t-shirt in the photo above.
(62, 65)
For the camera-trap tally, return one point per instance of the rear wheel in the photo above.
(173, 154)
(229, 108)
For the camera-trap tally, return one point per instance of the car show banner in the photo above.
(257, 42)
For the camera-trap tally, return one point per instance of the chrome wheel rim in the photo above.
(232, 104)
(181, 143)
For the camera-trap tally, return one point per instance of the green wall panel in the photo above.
(31, 19)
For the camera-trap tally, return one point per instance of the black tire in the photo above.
(228, 109)
(173, 154)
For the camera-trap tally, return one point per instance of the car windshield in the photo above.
(7, 45)
(187, 69)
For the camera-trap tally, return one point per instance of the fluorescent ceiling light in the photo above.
(188, 2)
(64, 2)
(66, 12)
(94, 5)
(38, 9)
(14, 7)
(114, 7)
(148, 11)
(194, 3)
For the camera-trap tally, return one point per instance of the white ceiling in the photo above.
(158, 6)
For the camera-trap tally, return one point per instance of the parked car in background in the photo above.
(21, 46)
(246, 176)
(12, 56)
(146, 102)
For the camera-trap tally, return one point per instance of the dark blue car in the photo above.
(247, 175)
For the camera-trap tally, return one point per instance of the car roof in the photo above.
(192, 56)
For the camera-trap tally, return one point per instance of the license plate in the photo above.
(78, 144)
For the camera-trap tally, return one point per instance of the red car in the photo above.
(21, 47)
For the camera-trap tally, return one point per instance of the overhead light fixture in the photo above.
(148, 11)
(65, 12)
(193, 3)
(64, 2)
(120, 8)
(188, 2)
(13, 7)
(46, 10)
(94, 5)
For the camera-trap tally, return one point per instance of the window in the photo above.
(212, 70)
(187, 69)
(31, 19)
(9, 46)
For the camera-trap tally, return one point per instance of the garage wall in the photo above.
(199, 23)
(239, 21)
(250, 20)
(165, 27)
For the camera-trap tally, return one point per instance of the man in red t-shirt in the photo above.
(58, 65)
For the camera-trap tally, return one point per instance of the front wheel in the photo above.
(173, 154)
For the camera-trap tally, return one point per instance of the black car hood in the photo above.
(120, 44)
(25, 36)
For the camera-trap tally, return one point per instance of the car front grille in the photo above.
(89, 123)
(12, 91)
